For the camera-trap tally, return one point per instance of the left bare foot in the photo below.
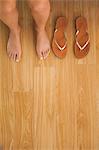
(14, 46)
(43, 44)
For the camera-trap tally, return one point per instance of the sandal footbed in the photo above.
(81, 26)
(61, 26)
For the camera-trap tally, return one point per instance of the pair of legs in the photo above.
(40, 10)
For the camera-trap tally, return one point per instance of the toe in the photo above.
(13, 56)
(40, 54)
(18, 56)
(46, 54)
(9, 54)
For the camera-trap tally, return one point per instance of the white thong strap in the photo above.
(59, 47)
(84, 46)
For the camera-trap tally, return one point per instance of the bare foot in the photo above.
(43, 44)
(14, 46)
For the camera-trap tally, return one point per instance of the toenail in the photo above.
(17, 60)
(41, 58)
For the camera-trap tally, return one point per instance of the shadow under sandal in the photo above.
(82, 44)
(59, 43)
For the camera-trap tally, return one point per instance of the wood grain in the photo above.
(51, 104)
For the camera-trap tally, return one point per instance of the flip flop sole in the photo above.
(81, 25)
(61, 26)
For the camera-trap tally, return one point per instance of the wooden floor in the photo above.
(52, 104)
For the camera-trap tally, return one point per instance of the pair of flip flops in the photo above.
(82, 42)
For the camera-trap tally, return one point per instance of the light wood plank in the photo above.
(51, 104)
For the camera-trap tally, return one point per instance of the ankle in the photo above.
(15, 30)
(40, 30)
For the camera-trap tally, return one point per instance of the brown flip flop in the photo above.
(82, 44)
(59, 43)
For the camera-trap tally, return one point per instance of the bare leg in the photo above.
(9, 15)
(40, 11)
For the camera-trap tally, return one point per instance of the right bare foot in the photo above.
(14, 46)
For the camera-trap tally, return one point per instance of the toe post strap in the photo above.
(84, 46)
(61, 48)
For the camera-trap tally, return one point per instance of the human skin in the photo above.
(40, 10)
